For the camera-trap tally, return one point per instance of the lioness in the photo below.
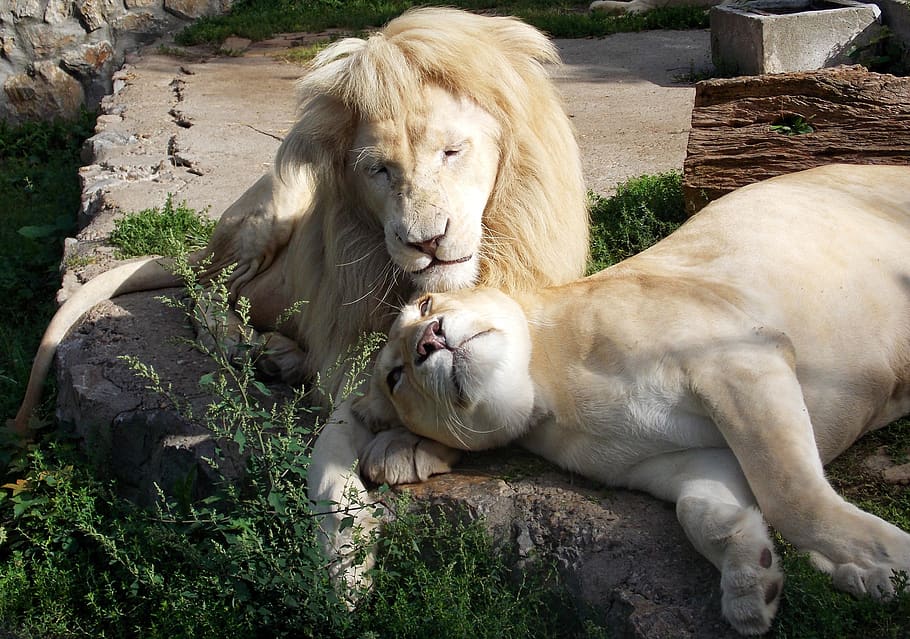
(718, 369)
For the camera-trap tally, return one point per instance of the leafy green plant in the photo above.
(792, 124)
(441, 577)
(39, 199)
(812, 609)
(169, 230)
(642, 211)
(884, 53)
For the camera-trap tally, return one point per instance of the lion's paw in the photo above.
(398, 456)
(751, 578)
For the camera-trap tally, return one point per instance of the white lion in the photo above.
(620, 7)
(433, 155)
(718, 369)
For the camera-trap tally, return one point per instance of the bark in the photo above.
(857, 117)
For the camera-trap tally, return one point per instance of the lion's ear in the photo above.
(376, 411)
(320, 138)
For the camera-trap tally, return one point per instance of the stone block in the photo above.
(768, 36)
(92, 65)
(44, 93)
(49, 40)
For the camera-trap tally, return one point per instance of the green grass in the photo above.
(260, 19)
(39, 199)
(169, 230)
(642, 211)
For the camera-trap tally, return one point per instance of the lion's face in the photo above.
(427, 176)
(456, 370)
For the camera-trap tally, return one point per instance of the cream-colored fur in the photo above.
(719, 369)
(433, 155)
(619, 7)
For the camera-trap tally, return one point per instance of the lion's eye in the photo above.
(426, 305)
(451, 153)
(378, 169)
(393, 379)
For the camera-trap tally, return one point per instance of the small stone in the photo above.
(234, 43)
(878, 461)
(96, 13)
(897, 474)
(523, 540)
(26, 8)
(137, 4)
(58, 11)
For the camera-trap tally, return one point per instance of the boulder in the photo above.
(44, 93)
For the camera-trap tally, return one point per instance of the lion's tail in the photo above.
(141, 275)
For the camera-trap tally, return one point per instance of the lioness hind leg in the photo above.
(718, 514)
(756, 401)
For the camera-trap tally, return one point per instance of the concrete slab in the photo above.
(769, 36)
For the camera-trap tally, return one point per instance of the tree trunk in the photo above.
(855, 116)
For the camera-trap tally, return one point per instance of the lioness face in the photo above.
(427, 176)
(455, 369)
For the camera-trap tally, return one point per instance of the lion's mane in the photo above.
(535, 223)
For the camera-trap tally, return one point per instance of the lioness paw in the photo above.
(398, 456)
(751, 578)
(864, 557)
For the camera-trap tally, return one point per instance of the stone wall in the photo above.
(57, 55)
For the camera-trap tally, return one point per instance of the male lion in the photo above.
(433, 155)
(718, 369)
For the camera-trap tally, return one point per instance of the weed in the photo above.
(792, 124)
(456, 585)
(169, 230)
(643, 211)
(302, 54)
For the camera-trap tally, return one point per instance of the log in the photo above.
(857, 117)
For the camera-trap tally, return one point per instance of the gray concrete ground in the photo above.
(204, 129)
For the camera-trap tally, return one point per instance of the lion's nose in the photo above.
(433, 339)
(428, 246)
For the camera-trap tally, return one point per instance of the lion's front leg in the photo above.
(718, 513)
(348, 518)
(754, 397)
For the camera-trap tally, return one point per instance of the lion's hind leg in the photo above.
(718, 514)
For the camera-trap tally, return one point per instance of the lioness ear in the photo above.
(375, 410)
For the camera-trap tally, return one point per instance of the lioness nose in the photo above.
(428, 246)
(433, 339)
